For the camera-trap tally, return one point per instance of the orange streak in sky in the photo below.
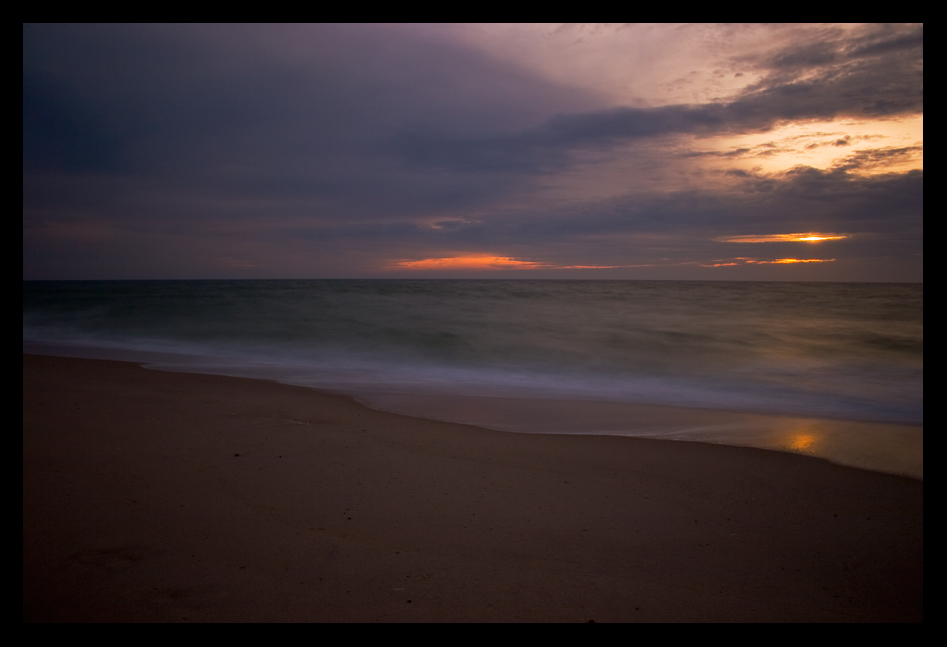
(755, 261)
(782, 238)
(795, 260)
(484, 262)
(467, 263)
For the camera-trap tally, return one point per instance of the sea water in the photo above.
(845, 357)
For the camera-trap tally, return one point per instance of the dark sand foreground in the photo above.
(154, 496)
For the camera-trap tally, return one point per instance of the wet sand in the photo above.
(168, 497)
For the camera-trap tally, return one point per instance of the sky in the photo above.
(698, 152)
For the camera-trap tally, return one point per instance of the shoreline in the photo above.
(883, 446)
(895, 449)
(167, 496)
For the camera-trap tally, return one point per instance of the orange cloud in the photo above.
(796, 260)
(484, 262)
(467, 263)
(756, 261)
(782, 238)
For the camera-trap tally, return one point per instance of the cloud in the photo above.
(873, 72)
(866, 160)
(340, 149)
(809, 237)
(265, 112)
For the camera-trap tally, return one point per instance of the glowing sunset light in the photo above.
(484, 262)
(794, 260)
(756, 261)
(467, 263)
(782, 238)
(862, 147)
(801, 442)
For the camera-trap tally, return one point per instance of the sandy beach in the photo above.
(153, 496)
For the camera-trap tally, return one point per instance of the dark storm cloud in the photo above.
(231, 109)
(146, 145)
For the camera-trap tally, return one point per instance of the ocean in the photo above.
(843, 362)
